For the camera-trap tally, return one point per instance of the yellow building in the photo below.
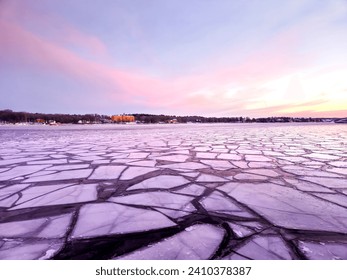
(122, 118)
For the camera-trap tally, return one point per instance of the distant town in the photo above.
(11, 117)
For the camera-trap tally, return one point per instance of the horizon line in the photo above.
(175, 115)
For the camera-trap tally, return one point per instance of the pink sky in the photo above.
(293, 70)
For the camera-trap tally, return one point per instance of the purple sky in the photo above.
(185, 57)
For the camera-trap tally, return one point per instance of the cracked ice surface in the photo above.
(17, 250)
(221, 191)
(133, 172)
(216, 202)
(262, 248)
(108, 218)
(162, 181)
(289, 208)
(195, 243)
(34, 197)
(52, 227)
(107, 172)
(173, 204)
(324, 251)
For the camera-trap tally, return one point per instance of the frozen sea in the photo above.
(178, 191)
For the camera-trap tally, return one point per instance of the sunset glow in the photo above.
(212, 58)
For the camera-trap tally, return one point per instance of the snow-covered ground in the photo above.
(218, 191)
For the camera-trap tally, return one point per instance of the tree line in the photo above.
(149, 118)
(9, 116)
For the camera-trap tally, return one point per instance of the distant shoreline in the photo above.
(26, 118)
(135, 126)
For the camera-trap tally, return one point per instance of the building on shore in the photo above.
(123, 118)
(173, 121)
(41, 121)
